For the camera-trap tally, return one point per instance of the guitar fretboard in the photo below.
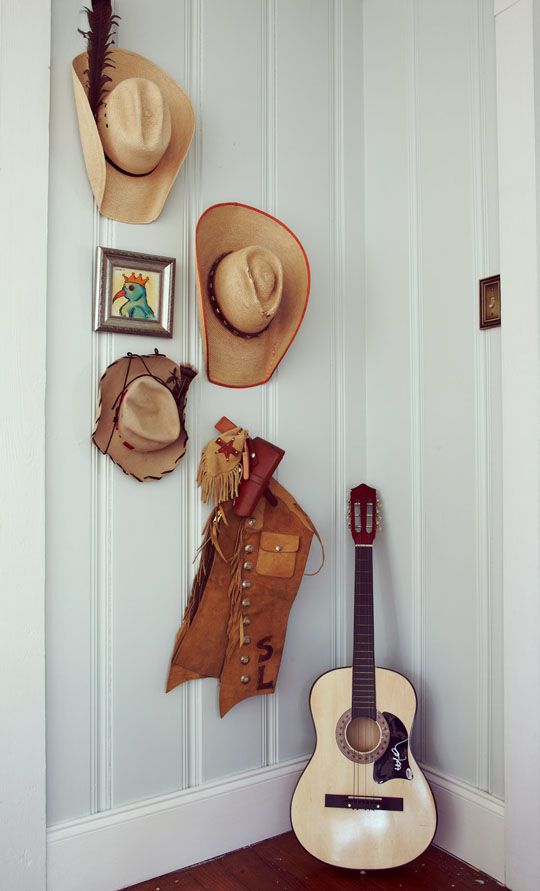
(363, 674)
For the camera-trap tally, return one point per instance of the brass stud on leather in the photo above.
(251, 521)
(278, 548)
(246, 602)
(244, 679)
(249, 549)
(244, 660)
(248, 564)
(246, 584)
(246, 620)
(247, 640)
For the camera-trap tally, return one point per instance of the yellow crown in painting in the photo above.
(137, 279)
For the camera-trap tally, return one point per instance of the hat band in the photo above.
(217, 309)
(126, 172)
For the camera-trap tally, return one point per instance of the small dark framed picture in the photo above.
(134, 293)
(490, 301)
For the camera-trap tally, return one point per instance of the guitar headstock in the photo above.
(364, 514)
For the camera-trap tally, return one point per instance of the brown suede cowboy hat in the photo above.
(140, 414)
(134, 150)
(253, 288)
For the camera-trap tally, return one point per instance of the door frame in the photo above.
(24, 166)
(517, 64)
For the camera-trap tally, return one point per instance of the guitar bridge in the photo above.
(364, 803)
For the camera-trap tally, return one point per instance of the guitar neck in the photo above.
(363, 674)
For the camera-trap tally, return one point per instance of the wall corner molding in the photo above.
(470, 823)
(470, 826)
(185, 827)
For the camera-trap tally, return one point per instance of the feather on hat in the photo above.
(136, 124)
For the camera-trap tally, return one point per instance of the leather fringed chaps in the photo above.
(236, 618)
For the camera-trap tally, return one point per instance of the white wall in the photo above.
(276, 90)
(23, 240)
(433, 388)
(433, 376)
(392, 349)
(518, 109)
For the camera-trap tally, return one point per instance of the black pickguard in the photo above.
(395, 761)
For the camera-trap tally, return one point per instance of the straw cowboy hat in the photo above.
(140, 414)
(253, 289)
(135, 148)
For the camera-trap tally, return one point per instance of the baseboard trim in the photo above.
(119, 848)
(470, 823)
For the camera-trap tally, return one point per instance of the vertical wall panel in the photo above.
(270, 85)
(148, 539)
(448, 319)
(389, 237)
(69, 405)
(231, 171)
(285, 95)
(304, 188)
(433, 379)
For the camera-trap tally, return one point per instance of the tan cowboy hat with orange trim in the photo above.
(253, 289)
(135, 148)
(140, 414)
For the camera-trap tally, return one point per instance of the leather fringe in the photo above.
(222, 486)
(206, 551)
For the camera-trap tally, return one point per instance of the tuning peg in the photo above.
(379, 515)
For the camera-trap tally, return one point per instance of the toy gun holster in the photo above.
(264, 457)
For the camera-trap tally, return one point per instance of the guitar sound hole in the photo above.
(362, 740)
(363, 735)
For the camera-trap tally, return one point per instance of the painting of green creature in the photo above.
(134, 293)
(137, 297)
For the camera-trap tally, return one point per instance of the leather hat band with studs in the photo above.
(217, 309)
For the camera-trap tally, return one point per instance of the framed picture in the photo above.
(490, 302)
(134, 293)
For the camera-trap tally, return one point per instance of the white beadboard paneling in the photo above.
(150, 739)
(305, 184)
(191, 516)
(69, 457)
(368, 128)
(269, 427)
(231, 163)
(448, 278)
(488, 413)
(433, 380)
(128, 739)
(390, 420)
(353, 336)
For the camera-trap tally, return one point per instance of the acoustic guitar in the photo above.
(362, 802)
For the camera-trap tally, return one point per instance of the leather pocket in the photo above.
(277, 554)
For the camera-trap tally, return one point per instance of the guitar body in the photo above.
(354, 829)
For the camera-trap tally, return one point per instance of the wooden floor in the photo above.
(281, 863)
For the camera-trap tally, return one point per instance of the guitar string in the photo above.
(364, 650)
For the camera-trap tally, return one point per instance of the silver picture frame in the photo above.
(150, 317)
